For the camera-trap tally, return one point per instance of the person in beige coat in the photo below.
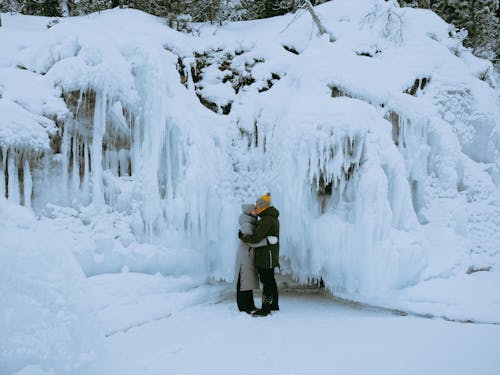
(245, 273)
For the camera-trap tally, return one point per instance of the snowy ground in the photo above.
(150, 324)
(57, 321)
(311, 334)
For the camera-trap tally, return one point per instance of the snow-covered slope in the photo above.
(381, 149)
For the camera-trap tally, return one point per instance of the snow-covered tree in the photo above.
(214, 11)
(49, 8)
(9, 6)
(479, 17)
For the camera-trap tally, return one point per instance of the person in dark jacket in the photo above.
(246, 277)
(266, 257)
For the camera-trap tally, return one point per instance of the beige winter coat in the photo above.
(245, 268)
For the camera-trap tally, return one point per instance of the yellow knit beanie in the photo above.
(263, 202)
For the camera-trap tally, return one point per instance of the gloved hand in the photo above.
(272, 240)
(240, 234)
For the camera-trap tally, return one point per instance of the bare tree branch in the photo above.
(307, 4)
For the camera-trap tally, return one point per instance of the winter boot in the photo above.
(274, 303)
(261, 312)
(266, 306)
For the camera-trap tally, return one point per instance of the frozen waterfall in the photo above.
(150, 143)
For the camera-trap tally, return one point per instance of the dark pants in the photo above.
(270, 290)
(244, 298)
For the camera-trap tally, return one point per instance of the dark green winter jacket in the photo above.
(268, 225)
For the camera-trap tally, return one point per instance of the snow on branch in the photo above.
(386, 17)
(306, 4)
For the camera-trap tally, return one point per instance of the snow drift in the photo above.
(45, 319)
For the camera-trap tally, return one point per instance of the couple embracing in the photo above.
(258, 255)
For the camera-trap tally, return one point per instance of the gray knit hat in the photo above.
(247, 208)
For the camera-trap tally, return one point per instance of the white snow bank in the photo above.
(29, 104)
(104, 243)
(20, 129)
(127, 300)
(464, 297)
(33, 370)
(33, 92)
(45, 320)
(460, 297)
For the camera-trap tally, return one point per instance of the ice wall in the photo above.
(383, 215)
(370, 146)
(341, 185)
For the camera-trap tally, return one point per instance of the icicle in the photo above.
(65, 149)
(13, 184)
(124, 162)
(105, 159)
(85, 183)
(135, 147)
(154, 127)
(42, 185)
(75, 173)
(168, 144)
(96, 154)
(27, 183)
(113, 161)
(2, 172)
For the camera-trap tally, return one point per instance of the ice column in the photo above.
(2, 173)
(86, 171)
(113, 162)
(75, 174)
(153, 121)
(96, 155)
(65, 159)
(27, 183)
(13, 184)
(123, 162)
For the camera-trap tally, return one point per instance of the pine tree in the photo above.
(49, 8)
(255, 9)
(206, 10)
